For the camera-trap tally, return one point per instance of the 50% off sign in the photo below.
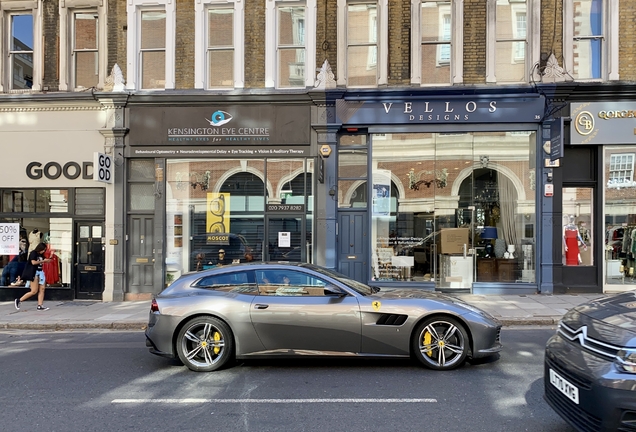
(9, 238)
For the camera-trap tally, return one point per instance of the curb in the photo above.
(59, 326)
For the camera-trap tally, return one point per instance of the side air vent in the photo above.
(391, 319)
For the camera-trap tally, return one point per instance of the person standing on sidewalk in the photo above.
(34, 275)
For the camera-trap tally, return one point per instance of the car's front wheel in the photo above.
(440, 343)
(205, 344)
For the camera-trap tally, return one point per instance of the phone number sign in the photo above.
(286, 208)
(9, 238)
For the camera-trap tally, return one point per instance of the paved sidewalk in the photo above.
(133, 315)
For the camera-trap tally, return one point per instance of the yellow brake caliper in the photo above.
(427, 341)
(217, 337)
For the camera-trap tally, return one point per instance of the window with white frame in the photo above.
(290, 38)
(85, 58)
(437, 46)
(510, 44)
(590, 36)
(435, 33)
(363, 33)
(20, 51)
(218, 44)
(290, 46)
(220, 47)
(513, 40)
(621, 169)
(151, 43)
(21, 68)
(362, 45)
(83, 44)
(152, 49)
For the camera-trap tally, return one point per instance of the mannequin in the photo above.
(35, 238)
(571, 239)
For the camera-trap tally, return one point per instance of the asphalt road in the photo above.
(107, 381)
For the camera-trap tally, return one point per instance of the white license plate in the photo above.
(564, 386)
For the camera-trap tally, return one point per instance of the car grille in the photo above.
(498, 338)
(579, 336)
(583, 421)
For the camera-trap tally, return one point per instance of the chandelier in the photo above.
(440, 178)
(195, 179)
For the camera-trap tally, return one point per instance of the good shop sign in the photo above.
(54, 170)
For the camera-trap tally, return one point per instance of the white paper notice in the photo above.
(284, 239)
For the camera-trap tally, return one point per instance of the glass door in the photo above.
(285, 238)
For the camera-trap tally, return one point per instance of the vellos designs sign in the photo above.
(603, 123)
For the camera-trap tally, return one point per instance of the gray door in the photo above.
(141, 261)
(353, 249)
(89, 260)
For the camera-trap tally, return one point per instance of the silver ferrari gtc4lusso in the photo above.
(257, 310)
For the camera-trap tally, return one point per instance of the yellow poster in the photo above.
(218, 212)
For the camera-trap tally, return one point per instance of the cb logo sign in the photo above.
(584, 123)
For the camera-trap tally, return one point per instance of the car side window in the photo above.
(238, 282)
(289, 283)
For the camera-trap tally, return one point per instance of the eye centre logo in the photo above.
(219, 118)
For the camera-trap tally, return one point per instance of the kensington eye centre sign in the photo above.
(231, 125)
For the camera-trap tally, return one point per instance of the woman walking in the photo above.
(34, 275)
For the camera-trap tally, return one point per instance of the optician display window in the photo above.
(237, 210)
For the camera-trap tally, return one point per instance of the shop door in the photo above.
(89, 260)
(353, 245)
(141, 261)
(284, 238)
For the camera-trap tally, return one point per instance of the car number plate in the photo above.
(564, 386)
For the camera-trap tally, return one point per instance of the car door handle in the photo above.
(260, 306)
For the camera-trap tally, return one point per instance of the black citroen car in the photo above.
(590, 365)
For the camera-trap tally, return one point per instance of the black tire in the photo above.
(441, 343)
(205, 344)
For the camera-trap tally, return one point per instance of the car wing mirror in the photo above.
(332, 290)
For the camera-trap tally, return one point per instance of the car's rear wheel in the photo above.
(440, 343)
(205, 344)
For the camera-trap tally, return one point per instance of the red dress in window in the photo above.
(572, 244)
(52, 268)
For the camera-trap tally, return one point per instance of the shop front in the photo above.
(213, 185)
(446, 189)
(49, 193)
(599, 198)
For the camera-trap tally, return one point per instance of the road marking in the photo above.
(270, 401)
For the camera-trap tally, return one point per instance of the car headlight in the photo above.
(626, 361)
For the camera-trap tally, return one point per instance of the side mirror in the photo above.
(332, 290)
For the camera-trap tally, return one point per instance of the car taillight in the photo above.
(154, 306)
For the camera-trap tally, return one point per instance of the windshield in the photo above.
(358, 287)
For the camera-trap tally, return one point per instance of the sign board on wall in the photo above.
(235, 125)
(103, 169)
(9, 238)
(451, 110)
(603, 123)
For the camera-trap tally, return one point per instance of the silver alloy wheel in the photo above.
(204, 344)
(441, 344)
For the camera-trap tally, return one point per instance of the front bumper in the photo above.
(607, 397)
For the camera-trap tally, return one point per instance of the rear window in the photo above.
(238, 282)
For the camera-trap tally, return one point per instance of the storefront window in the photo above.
(620, 214)
(229, 210)
(453, 208)
(35, 201)
(57, 234)
(577, 223)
